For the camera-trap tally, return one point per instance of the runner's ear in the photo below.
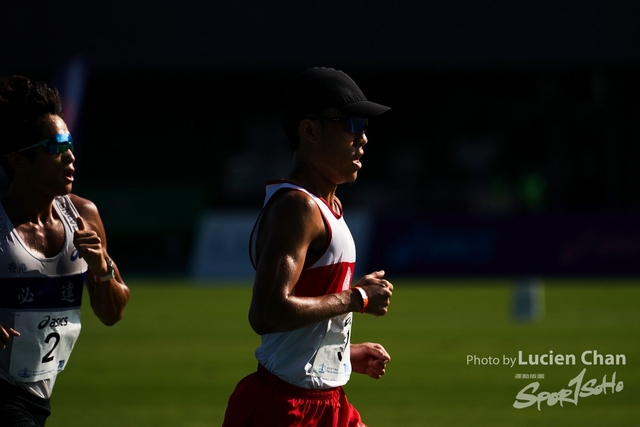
(17, 162)
(307, 130)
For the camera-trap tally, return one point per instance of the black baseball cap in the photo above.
(319, 88)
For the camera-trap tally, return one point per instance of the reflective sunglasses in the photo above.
(351, 124)
(57, 144)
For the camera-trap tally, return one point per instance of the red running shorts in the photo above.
(263, 399)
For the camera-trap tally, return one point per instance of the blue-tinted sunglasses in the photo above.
(351, 124)
(57, 144)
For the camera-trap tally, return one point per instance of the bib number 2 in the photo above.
(52, 336)
(47, 344)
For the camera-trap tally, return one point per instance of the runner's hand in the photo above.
(370, 359)
(378, 291)
(6, 333)
(90, 248)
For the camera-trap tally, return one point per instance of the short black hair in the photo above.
(24, 105)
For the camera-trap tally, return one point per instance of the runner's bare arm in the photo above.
(109, 298)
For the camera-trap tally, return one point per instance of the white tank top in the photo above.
(316, 356)
(40, 298)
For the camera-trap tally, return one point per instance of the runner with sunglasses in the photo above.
(52, 243)
(303, 300)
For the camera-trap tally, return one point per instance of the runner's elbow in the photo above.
(259, 324)
(268, 322)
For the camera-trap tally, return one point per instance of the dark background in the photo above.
(502, 109)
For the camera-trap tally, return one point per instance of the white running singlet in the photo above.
(316, 356)
(40, 298)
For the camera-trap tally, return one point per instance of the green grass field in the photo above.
(180, 350)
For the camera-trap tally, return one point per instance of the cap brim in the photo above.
(365, 109)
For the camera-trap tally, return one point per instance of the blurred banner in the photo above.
(535, 245)
(221, 247)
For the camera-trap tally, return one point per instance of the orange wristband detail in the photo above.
(365, 299)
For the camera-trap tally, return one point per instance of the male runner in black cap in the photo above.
(304, 256)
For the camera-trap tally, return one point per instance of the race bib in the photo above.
(333, 358)
(48, 340)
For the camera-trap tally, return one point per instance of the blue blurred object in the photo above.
(528, 299)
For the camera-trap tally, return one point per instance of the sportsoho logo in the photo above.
(577, 387)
